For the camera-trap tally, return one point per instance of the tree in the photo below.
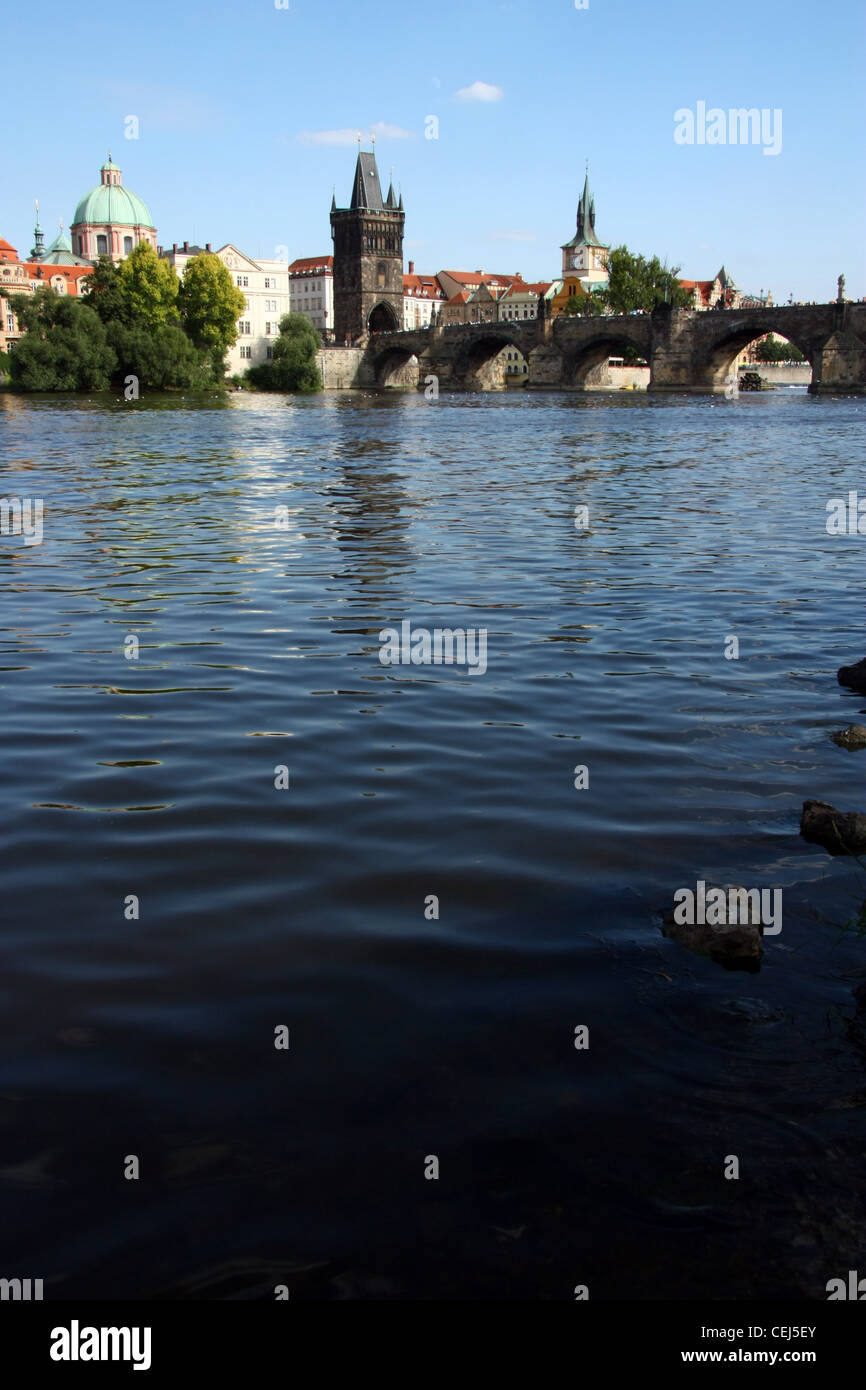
(574, 304)
(635, 283)
(294, 366)
(148, 288)
(63, 345)
(160, 357)
(772, 349)
(104, 292)
(210, 305)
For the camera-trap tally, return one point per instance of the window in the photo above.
(270, 305)
(269, 352)
(127, 245)
(243, 325)
(246, 351)
(267, 282)
(243, 281)
(102, 246)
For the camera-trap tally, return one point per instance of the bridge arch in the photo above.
(714, 365)
(397, 368)
(584, 361)
(475, 365)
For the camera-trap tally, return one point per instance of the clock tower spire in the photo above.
(585, 254)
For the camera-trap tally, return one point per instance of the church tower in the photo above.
(585, 256)
(368, 257)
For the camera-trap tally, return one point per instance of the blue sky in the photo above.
(242, 109)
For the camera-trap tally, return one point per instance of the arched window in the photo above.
(101, 245)
(127, 245)
(381, 275)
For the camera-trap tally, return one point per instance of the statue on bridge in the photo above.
(840, 285)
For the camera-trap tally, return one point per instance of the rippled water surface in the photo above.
(305, 907)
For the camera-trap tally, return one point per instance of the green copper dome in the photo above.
(110, 202)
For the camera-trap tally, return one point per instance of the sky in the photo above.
(247, 117)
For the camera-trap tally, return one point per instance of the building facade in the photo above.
(521, 301)
(265, 287)
(368, 257)
(311, 291)
(110, 220)
(24, 277)
(422, 297)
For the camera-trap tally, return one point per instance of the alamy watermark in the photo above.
(737, 126)
(449, 646)
(22, 517)
(21, 1290)
(716, 907)
(846, 517)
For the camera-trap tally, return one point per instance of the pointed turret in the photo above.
(38, 240)
(366, 190)
(586, 216)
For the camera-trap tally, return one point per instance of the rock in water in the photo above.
(853, 676)
(853, 738)
(734, 945)
(840, 832)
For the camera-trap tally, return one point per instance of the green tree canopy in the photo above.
(636, 282)
(294, 366)
(104, 292)
(148, 288)
(210, 304)
(158, 357)
(63, 346)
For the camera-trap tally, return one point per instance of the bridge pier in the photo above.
(841, 366)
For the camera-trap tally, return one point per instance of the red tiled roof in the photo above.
(5, 248)
(44, 273)
(475, 277)
(704, 287)
(459, 298)
(424, 286)
(312, 263)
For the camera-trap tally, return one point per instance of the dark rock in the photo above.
(839, 832)
(734, 945)
(860, 997)
(853, 676)
(853, 738)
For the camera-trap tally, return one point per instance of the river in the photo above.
(242, 829)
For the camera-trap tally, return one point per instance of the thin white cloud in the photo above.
(349, 136)
(160, 107)
(480, 91)
(383, 131)
(328, 137)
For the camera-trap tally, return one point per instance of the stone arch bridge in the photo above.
(686, 350)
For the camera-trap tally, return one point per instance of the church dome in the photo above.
(110, 202)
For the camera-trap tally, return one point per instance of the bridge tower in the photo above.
(368, 257)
